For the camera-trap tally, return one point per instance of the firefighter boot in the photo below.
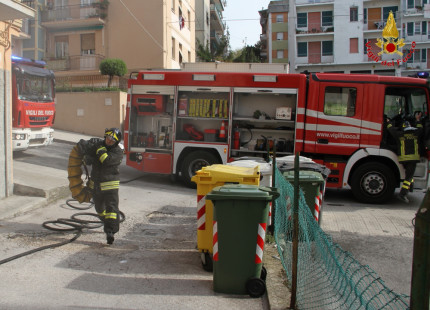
(402, 195)
(109, 238)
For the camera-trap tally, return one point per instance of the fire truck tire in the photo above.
(373, 183)
(79, 191)
(193, 162)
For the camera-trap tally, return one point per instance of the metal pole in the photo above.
(295, 233)
(272, 225)
(420, 283)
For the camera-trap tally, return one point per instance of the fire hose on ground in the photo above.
(82, 195)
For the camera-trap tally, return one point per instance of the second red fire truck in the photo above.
(33, 104)
(178, 121)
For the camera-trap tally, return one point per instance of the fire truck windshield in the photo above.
(35, 88)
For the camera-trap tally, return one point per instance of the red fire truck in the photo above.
(33, 106)
(178, 121)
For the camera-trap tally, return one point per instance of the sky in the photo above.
(243, 21)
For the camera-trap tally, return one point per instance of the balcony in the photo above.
(74, 15)
(315, 30)
(216, 19)
(418, 10)
(78, 62)
(312, 2)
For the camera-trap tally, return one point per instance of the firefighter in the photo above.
(105, 156)
(418, 119)
(408, 140)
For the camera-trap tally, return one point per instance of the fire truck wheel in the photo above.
(193, 162)
(373, 183)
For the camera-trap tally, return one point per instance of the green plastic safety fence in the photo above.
(328, 277)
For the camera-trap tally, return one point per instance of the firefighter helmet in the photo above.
(115, 133)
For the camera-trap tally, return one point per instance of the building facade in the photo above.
(74, 36)
(350, 36)
(210, 26)
(11, 13)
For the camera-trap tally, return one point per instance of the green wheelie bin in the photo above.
(312, 184)
(239, 226)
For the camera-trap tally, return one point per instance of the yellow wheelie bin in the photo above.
(206, 179)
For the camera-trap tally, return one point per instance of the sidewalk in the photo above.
(31, 192)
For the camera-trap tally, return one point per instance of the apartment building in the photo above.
(350, 36)
(274, 36)
(74, 36)
(210, 26)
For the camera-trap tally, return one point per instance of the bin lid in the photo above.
(304, 176)
(265, 168)
(225, 173)
(243, 191)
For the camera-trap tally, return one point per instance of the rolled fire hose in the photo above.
(80, 192)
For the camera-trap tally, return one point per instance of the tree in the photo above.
(112, 67)
(249, 54)
(218, 52)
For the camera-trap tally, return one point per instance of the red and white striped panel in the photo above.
(215, 242)
(318, 204)
(270, 214)
(260, 243)
(201, 212)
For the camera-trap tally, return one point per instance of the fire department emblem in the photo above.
(390, 43)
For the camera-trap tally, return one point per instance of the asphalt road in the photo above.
(380, 236)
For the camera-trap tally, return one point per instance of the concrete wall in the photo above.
(6, 163)
(90, 113)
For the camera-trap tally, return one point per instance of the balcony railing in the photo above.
(217, 15)
(305, 2)
(74, 12)
(414, 11)
(315, 30)
(78, 62)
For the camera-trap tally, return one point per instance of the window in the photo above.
(386, 11)
(364, 16)
(279, 18)
(327, 48)
(340, 101)
(365, 47)
(302, 20)
(410, 60)
(353, 14)
(189, 19)
(61, 46)
(279, 36)
(424, 55)
(408, 100)
(410, 29)
(424, 28)
(417, 55)
(88, 44)
(173, 48)
(280, 54)
(353, 45)
(411, 4)
(417, 28)
(302, 49)
(327, 18)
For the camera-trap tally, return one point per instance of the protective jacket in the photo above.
(408, 139)
(105, 163)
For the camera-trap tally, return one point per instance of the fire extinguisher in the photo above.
(236, 139)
